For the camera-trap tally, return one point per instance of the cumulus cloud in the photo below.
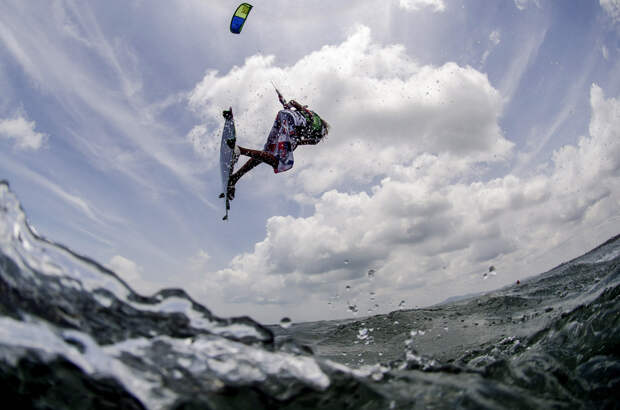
(419, 229)
(127, 269)
(22, 132)
(612, 8)
(414, 5)
(133, 274)
(199, 261)
(205, 144)
(383, 106)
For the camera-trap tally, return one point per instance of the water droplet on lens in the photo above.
(286, 322)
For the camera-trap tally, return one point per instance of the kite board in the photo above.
(227, 158)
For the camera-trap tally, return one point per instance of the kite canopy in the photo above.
(238, 19)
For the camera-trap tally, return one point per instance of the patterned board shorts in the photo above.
(282, 139)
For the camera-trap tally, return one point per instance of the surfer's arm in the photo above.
(300, 107)
(295, 104)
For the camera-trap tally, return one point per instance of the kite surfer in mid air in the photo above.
(295, 125)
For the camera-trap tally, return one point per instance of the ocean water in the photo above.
(74, 335)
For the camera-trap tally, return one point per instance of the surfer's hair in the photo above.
(327, 127)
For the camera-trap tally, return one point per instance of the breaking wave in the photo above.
(74, 335)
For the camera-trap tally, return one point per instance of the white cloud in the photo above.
(523, 4)
(523, 58)
(204, 144)
(605, 52)
(84, 206)
(495, 37)
(612, 8)
(133, 274)
(22, 132)
(494, 40)
(423, 231)
(98, 82)
(414, 5)
(125, 268)
(199, 261)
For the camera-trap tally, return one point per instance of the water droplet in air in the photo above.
(352, 308)
(347, 261)
(286, 322)
(371, 274)
(348, 287)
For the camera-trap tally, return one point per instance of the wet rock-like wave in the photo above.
(74, 335)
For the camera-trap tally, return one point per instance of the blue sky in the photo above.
(465, 134)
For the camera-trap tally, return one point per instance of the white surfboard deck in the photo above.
(227, 160)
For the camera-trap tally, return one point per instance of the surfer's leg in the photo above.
(250, 164)
(261, 156)
(256, 158)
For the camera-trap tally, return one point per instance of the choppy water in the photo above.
(73, 335)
